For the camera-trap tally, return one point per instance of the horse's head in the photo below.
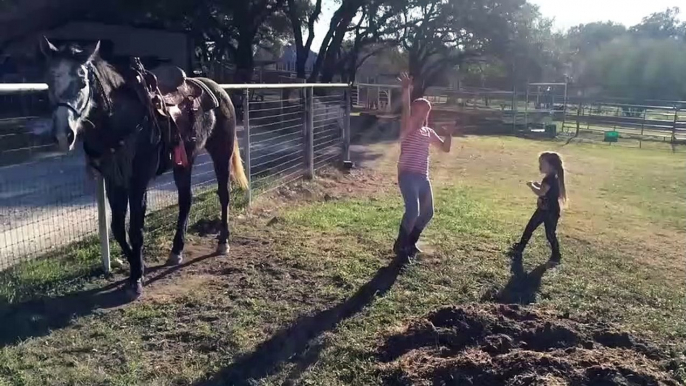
(70, 79)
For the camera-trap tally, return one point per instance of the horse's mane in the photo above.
(110, 79)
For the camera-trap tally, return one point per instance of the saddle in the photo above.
(176, 98)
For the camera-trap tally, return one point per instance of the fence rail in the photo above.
(512, 110)
(47, 201)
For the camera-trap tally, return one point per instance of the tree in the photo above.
(445, 34)
(374, 31)
(533, 53)
(586, 38)
(302, 12)
(221, 29)
(639, 69)
(333, 40)
(661, 25)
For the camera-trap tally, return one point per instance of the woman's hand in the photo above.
(449, 130)
(405, 80)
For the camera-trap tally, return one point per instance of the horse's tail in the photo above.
(237, 170)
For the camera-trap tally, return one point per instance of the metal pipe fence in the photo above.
(535, 110)
(48, 201)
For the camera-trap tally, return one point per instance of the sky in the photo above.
(566, 13)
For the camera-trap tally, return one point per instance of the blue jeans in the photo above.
(419, 200)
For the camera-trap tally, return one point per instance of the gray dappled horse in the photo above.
(129, 139)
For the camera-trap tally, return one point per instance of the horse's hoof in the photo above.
(223, 249)
(116, 263)
(175, 258)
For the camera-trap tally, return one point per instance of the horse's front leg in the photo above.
(138, 206)
(182, 178)
(119, 200)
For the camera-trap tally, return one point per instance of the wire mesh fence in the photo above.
(48, 200)
(548, 109)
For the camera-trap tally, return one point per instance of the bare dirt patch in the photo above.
(490, 344)
(330, 184)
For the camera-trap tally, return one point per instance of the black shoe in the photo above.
(134, 288)
(399, 247)
(412, 242)
(516, 250)
(554, 261)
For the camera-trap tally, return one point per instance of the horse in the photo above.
(129, 143)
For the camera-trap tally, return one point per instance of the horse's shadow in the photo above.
(38, 317)
(522, 287)
(299, 343)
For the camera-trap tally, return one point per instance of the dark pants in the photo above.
(549, 219)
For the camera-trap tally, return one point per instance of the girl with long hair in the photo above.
(552, 195)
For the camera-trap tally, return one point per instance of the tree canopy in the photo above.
(501, 43)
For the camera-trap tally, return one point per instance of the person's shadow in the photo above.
(299, 343)
(522, 287)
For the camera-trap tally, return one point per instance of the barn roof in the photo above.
(29, 16)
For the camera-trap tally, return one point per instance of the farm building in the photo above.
(117, 44)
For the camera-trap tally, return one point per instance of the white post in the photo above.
(246, 142)
(103, 228)
(346, 125)
(309, 133)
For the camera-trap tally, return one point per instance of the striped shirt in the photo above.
(414, 151)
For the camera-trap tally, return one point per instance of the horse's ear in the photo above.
(47, 48)
(95, 53)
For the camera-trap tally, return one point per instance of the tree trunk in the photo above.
(302, 54)
(245, 62)
(330, 67)
(418, 89)
(334, 37)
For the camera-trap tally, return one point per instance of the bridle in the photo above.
(78, 113)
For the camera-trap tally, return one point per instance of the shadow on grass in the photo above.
(522, 287)
(38, 317)
(298, 343)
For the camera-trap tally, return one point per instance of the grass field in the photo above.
(309, 293)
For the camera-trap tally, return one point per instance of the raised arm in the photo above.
(445, 142)
(405, 126)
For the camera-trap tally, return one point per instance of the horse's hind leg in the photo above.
(182, 178)
(221, 159)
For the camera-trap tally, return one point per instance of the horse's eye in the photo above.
(81, 72)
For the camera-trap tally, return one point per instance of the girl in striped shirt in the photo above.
(413, 169)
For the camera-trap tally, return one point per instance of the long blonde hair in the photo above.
(555, 160)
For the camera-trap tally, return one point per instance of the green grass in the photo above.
(295, 300)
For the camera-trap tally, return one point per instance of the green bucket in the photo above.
(551, 129)
(611, 136)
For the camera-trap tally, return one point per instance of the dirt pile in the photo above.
(489, 344)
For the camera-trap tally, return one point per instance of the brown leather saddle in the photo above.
(178, 90)
(177, 98)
